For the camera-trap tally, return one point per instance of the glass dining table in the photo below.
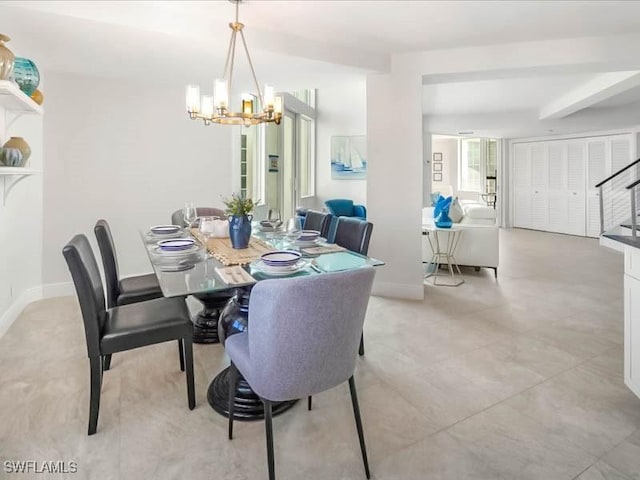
(201, 277)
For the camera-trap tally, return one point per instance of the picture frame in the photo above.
(437, 177)
(437, 167)
(349, 157)
(437, 156)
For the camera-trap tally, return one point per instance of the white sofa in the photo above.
(479, 240)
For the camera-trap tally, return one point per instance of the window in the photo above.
(470, 159)
(306, 127)
(478, 165)
(251, 169)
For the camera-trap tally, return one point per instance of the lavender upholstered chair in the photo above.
(302, 339)
(177, 218)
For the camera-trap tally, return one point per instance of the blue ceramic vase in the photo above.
(240, 231)
(26, 75)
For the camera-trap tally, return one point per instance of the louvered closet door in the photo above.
(557, 208)
(576, 203)
(522, 186)
(540, 186)
(596, 172)
(619, 202)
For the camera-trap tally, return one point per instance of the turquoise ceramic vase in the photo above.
(26, 75)
(240, 231)
(443, 220)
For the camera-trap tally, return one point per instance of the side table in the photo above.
(443, 253)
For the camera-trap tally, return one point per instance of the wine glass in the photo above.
(189, 214)
(274, 218)
(207, 228)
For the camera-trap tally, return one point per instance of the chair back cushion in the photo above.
(318, 221)
(177, 218)
(109, 261)
(86, 278)
(304, 332)
(340, 207)
(353, 234)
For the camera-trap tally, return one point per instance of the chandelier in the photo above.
(215, 109)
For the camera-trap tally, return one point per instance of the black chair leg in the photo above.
(361, 349)
(356, 414)
(495, 272)
(309, 400)
(95, 364)
(106, 362)
(233, 381)
(268, 425)
(181, 352)
(188, 360)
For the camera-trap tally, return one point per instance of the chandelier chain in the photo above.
(253, 72)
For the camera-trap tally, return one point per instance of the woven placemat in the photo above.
(221, 250)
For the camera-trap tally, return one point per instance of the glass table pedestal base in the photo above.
(205, 322)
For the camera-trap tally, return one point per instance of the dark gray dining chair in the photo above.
(318, 221)
(123, 291)
(354, 234)
(177, 218)
(206, 320)
(302, 338)
(118, 329)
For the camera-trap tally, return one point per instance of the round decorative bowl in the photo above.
(6, 58)
(21, 144)
(11, 157)
(26, 75)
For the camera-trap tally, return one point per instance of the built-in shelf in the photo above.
(15, 100)
(10, 176)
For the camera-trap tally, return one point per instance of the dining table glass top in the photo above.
(200, 274)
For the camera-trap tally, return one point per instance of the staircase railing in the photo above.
(634, 216)
(615, 188)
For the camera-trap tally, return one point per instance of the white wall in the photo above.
(394, 184)
(126, 152)
(448, 147)
(21, 224)
(342, 110)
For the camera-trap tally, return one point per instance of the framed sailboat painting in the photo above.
(349, 157)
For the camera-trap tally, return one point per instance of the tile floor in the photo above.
(515, 379)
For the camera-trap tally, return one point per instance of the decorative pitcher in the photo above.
(240, 230)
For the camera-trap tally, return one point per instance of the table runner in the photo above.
(221, 249)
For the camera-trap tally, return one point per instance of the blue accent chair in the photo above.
(341, 207)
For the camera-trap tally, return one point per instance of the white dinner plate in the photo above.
(279, 271)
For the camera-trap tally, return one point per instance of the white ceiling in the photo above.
(500, 95)
(376, 25)
(305, 43)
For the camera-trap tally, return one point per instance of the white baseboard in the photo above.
(62, 289)
(398, 290)
(15, 309)
(632, 386)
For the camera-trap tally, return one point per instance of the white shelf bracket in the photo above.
(11, 119)
(8, 183)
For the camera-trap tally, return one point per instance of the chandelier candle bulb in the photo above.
(247, 104)
(277, 107)
(268, 97)
(221, 94)
(193, 100)
(207, 105)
